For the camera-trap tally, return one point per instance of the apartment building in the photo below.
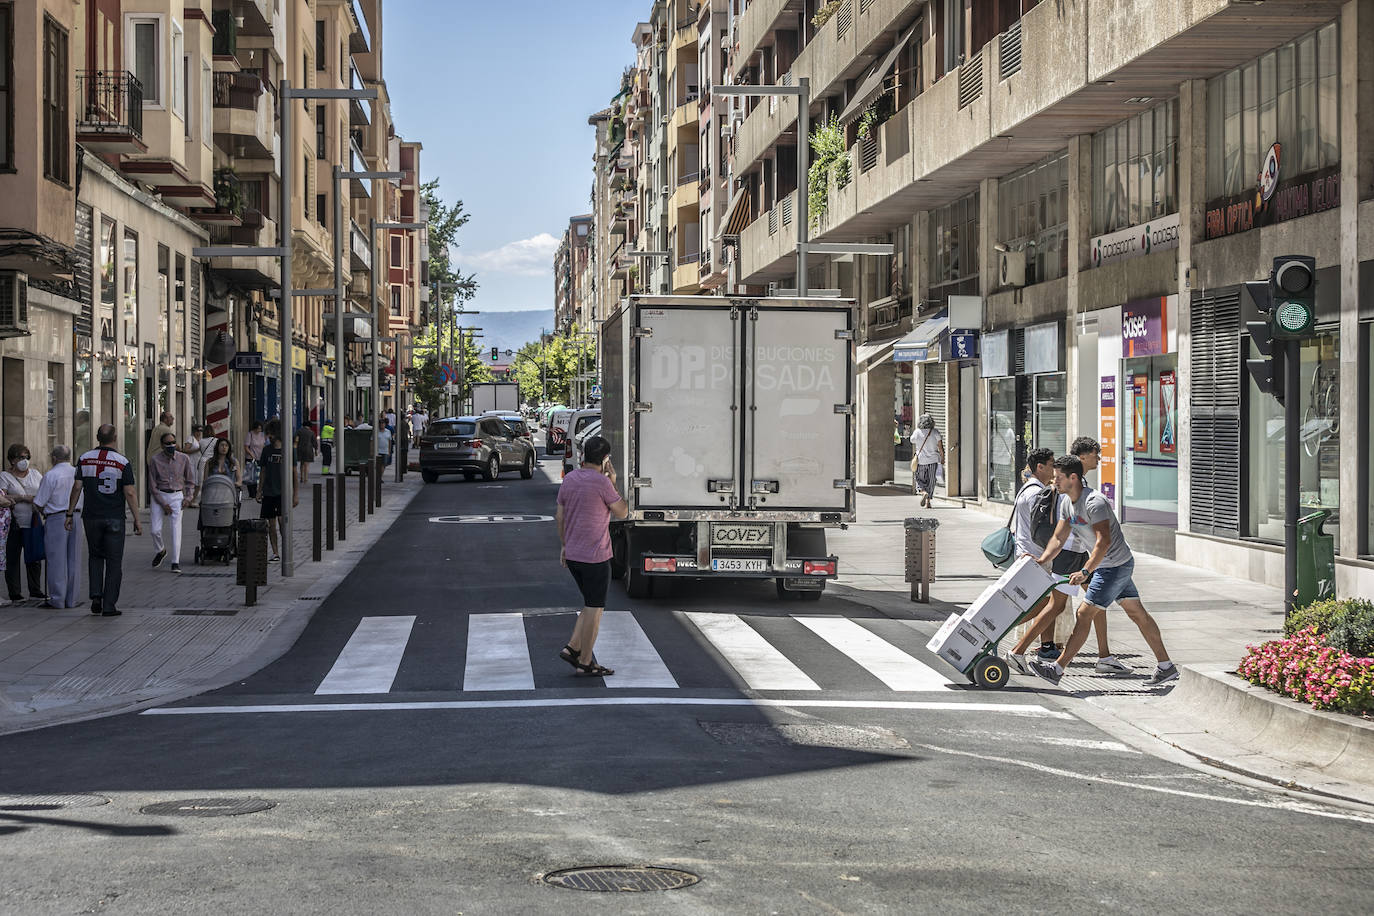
(569, 269)
(683, 116)
(1073, 213)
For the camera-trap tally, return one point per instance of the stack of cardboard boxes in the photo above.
(963, 637)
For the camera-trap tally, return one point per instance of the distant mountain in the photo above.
(512, 330)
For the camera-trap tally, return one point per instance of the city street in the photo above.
(425, 751)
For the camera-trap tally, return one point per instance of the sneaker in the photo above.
(176, 568)
(1049, 652)
(1114, 666)
(1047, 670)
(158, 558)
(112, 612)
(275, 558)
(97, 606)
(1018, 662)
(1162, 675)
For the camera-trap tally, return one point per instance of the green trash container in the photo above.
(1316, 559)
(354, 448)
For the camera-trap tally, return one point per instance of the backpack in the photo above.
(1044, 516)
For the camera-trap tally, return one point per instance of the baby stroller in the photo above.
(219, 515)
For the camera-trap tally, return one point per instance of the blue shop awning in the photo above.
(923, 343)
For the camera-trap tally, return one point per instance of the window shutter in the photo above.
(85, 255)
(933, 395)
(1214, 431)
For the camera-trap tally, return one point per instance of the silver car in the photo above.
(474, 445)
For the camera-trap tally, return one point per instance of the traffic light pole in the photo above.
(1292, 477)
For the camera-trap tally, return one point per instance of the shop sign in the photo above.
(1157, 235)
(1145, 327)
(271, 350)
(911, 355)
(1042, 348)
(963, 345)
(298, 358)
(1106, 469)
(1274, 198)
(247, 361)
(363, 381)
(996, 354)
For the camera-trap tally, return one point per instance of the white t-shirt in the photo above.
(927, 443)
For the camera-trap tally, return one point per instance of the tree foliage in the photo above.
(558, 361)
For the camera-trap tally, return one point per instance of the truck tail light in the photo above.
(818, 568)
(660, 564)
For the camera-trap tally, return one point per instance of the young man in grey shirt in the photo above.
(1107, 574)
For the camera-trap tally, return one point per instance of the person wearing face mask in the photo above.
(21, 484)
(173, 481)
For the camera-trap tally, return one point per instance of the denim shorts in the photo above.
(1111, 583)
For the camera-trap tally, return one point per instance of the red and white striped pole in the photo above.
(217, 389)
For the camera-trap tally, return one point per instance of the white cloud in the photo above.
(531, 257)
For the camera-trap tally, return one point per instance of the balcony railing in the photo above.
(239, 90)
(688, 178)
(226, 40)
(111, 103)
(360, 42)
(360, 110)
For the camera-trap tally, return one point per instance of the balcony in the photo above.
(360, 42)
(257, 15)
(760, 20)
(258, 231)
(359, 110)
(229, 204)
(687, 273)
(245, 114)
(361, 249)
(110, 112)
(685, 197)
(356, 163)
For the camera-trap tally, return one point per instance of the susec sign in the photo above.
(1145, 327)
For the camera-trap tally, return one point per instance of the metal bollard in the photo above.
(362, 493)
(252, 551)
(329, 513)
(316, 523)
(377, 487)
(343, 508)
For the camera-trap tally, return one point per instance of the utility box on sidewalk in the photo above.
(355, 448)
(1316, 559)
(920, 556)
(252, 534)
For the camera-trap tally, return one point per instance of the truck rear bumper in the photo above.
(664, 564)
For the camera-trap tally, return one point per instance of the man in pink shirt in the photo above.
(586, 501)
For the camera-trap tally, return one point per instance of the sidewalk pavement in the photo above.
(180, 634)
(1206, 621)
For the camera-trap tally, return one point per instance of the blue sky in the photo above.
(499, 94)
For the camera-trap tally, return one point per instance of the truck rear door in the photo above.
(685, 406)
(798, 408)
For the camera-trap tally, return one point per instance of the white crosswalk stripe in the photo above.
(368, 664)
(881, 658)
(754, 659)
(498, 653)
(636, 663)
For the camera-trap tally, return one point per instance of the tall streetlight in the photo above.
(802, 91)
(286, 96)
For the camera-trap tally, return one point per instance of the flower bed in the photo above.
(1303, 666)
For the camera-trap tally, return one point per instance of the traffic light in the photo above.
(1268, 372)
(1293, 289)
(495, 353)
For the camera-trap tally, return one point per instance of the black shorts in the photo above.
(593, 579)
(271, 507)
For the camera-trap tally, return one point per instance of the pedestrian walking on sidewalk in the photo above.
(105, 479)
(271, 487)
(927, 459)
(252, 457)
(173, 481)
(199, 448)
(62, 545)
(1107, 573)
(21, 483)
(383, 441)
(586, 501)
(305, 451)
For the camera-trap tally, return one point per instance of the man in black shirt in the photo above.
(107, 480)
(269, 490)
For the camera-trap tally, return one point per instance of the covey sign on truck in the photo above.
(731, 421)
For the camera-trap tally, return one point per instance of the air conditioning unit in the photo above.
(14, 304)
(726, 131)
(665, 191)
(1011, 268)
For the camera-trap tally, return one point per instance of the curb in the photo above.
(1224, 721)
(285, 617)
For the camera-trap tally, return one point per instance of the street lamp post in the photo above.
(802, 91)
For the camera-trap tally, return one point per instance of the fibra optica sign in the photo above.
(1156, 235)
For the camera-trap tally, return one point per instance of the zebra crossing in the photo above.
(759, 654)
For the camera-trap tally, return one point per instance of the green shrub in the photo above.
(1347, 624)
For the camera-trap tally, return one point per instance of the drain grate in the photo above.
(625, 878)
(50, 802)
(206, 575)
(209, 807)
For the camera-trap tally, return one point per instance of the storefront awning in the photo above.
(873, 83)
(922, 343)
(736, 214)
(868, 355)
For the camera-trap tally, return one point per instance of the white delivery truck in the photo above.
(503, 396)
(731, 423)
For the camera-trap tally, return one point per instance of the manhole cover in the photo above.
(621, 878)
(209, 807)
(50, 802)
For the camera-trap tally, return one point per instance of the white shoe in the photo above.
(1112, 665)
(1018, 662)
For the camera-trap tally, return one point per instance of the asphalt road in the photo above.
(475, 762)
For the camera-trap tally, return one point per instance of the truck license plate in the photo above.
(738, 564)
(738, 535)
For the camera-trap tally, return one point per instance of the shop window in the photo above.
(1004, 436)
(1288, 96)
(1135, 169)
(1033, 217)
(1149, 440)
(108, 279)
(1051, 414)
(1319, 457)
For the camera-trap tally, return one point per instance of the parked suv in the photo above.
(472, 446)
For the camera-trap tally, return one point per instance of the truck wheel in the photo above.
(493, 470)
(990, 673)
(812, 595)
(638, 584)
(527, 469)
(617, 555)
